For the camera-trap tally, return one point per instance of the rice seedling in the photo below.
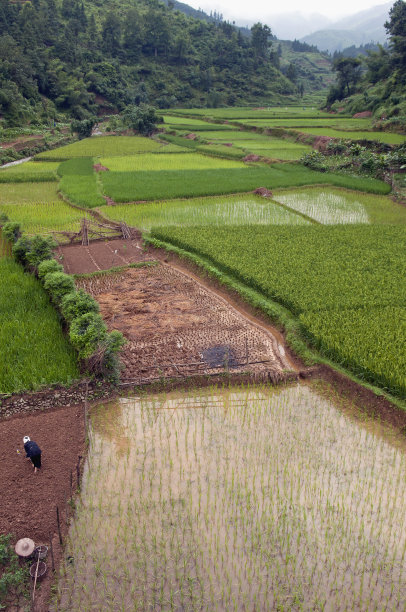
(331, 206)
(167, 184)
(218, 211)
(187, 161)
(33, 348)
(105, 146)
(26, 193)
(39, 218)
(29, 172)
(241, 499)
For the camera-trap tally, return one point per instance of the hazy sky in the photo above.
(258, 10)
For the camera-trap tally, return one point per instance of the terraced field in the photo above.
(217, 211)
(204, 203)
(318, 270)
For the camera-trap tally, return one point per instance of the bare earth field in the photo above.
(174, 324)
(100, 255)
(28, 500)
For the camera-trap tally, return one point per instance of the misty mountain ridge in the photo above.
(358, 29)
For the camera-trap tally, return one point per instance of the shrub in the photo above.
(3, 218)
(142, 119)
(47, 266)
(58, 284)
(315, 161)
(83, 128)
(87, 332)
(40, 250)
(78, 303)
(11, 231)
(21, 249)
(104, 362)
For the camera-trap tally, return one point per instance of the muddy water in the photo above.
(245, 499)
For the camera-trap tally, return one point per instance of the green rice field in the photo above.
(38, 218)
(250, 113)
(82, 190)
(387, 137)
(104, 146)
(25, 193)
(332, 206)
(29, 172)
(33, 349)
(340, 123)
(317, 269)
(237, 499)
(188, 161)
(133, 186)
(245, 209)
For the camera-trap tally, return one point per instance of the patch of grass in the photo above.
(29, 172)
(115, 270)
(153, 162)
(105, 146)
(13, 578)
(33, 348)
(214, 211)
(132, 186)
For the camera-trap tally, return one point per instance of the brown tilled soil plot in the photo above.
(29, 501)
(173, 324)
(100, 255)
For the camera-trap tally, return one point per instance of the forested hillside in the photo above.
(376, 81)
(78, 57)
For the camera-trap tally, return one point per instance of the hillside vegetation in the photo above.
(82, 57)
(376, 82)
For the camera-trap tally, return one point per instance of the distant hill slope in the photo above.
(359, 29)
(78, 58)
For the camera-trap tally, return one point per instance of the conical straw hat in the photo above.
(24, 547)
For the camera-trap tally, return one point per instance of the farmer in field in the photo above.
(33, 452)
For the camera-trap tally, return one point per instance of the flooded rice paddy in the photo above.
(326, 206)
(245, 499)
